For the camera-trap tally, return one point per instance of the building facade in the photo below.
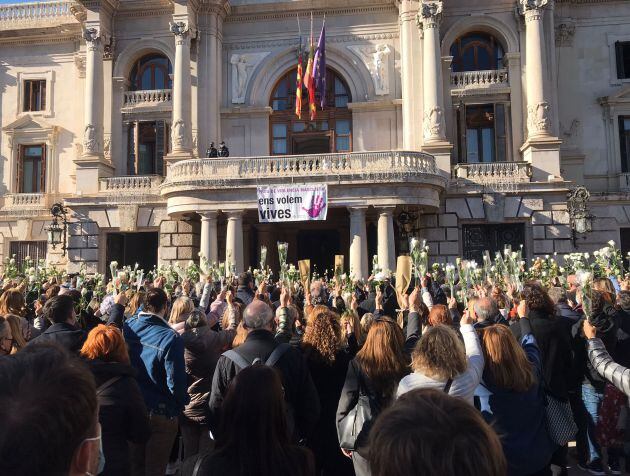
(463, 122)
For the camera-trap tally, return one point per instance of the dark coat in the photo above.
(300, 393)
(66, 335)
(606, 324)
(202, 349)
(122, 414)
(356, 380)
(329, 380)
(554, 342)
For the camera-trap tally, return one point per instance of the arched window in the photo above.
(151, 72)
(330, 132)
(476, 51)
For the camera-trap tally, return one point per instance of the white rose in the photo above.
(611, 243)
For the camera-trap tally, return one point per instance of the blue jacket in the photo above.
(157, 352)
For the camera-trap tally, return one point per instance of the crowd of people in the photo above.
(237, 377)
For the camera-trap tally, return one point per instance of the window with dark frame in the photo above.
(624, 142)
(622, 53)
(35, 250)
(476, 51)
(331, 129)
(31, 176)
(151, 72)
(482, 132)
(34, 95)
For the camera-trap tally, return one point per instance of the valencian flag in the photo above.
(319, 67)
(298, 86)
(309, 79)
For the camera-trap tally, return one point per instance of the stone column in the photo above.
(358, 243)
(411, 59)
(93, 95)
(209, 239)
(538, 107)
(234, 240)
(213, 104)
(385, 238)
(181, 126)
(541, 149)
(429, 17)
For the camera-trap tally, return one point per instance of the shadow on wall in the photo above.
(6, 81)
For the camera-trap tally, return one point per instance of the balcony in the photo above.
(25, 203)
(147, 100)
(389, 177)
(26, 16)
(493, 173)
(131, 184)
(480, 82)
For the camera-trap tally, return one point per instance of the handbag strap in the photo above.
(106, 385)
(447, 387)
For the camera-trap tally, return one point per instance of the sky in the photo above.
(2, 2)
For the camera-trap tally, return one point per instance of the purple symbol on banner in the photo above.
(317, 205)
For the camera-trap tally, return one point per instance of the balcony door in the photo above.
(148, 144)
(482, 133)
(31, 174)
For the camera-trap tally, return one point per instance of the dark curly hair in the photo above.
(537, 299)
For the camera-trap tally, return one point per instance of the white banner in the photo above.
(292, 203)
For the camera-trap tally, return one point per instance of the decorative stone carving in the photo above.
(79, 63)
(430, 14)
(532, 4)
(243, 65)
(89, 139)
(538, 120)
(434, 123)
(180, 30)
(127, 217)
(565, 32)
(178, 136)
(107, 145)
(92, 38)
(375, 59)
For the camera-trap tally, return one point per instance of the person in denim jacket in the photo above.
(157, 353)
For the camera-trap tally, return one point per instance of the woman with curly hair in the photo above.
(324, 347)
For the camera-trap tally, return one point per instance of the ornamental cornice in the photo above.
(288, 12)
(252, 45)
(45, 40)
(145, 13)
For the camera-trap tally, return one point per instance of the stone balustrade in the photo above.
(494, 172)
(36, 11)
(334, 168)
(25, 201)
(147, 97)
(131, 184)
(474, 80)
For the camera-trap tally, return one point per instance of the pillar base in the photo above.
(544, 156)
(89, 170)
(441, 150)
(177, 156)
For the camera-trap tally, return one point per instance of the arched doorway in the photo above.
(331, 131)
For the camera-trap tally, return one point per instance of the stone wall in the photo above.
(179, 241)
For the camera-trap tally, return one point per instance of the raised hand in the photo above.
(317, 205)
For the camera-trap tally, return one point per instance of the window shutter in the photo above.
(42, 184)
(622, 144)
(20, 170)
(160, 142)
(621, 74)
(42, 92)
(131, 149)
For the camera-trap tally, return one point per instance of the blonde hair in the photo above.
(439, 354)
(182, 307)
(135, 302)
(14, 322)
(241, 335)
(237, 309)
(506, 361)
(355, 323)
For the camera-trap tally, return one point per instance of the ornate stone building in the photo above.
(466, 122)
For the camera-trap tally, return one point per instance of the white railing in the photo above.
(479, 79)
(494, 172)
(356, 166)
(131, 184)
(147, 97)
(20, 12)
(25, 200)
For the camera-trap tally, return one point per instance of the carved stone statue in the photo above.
(243, 64)
(379, 63)
(538, 120)
(178, 134)
(89, 139)
(433, 123)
